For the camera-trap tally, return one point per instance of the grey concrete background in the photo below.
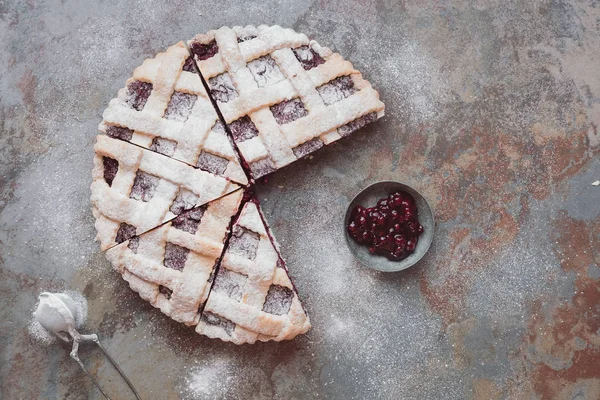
(493, 109)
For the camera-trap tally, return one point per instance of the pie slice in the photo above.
(252, 297)
(171, 266)
(135, 190)
(282, 95)
(164, 107)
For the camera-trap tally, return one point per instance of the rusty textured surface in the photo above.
(493, 113)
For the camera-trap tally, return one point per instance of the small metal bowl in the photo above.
(368, 197)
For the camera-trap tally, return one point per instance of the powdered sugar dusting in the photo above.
(221, 88)
(418, 79)
(209, 381)
(265, 71)
(180, 106)
(163, 146)
(40, 334)
(212, 163)
(337, 89)
(144, 186)
(243, 242)
(230, 283)
(278, 300)
(185, 200)
(288, 111)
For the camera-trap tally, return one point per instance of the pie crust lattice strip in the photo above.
(172, 266)
(282, 95)
(165, 108)
(253, 297)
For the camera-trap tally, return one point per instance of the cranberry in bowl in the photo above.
(389, 226)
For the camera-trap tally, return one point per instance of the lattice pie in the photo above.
(135, 190)
(172, 265)
(252, 296)
(283, 96)
(180, 145)
(165, 108)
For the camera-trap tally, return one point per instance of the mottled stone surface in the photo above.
(493, 109)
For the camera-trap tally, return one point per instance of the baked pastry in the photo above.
(171, 266)
(282, 95)
(164, 108)
(167, 178)
(135, 190)
(252, 297)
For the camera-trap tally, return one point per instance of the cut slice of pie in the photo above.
(164, 107)
(282, 95)
(135, 190)
(252, 297)
(172, 266)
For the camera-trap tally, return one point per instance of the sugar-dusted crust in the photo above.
(189, 136)
(277, 144)
(245, 320)
(180, 294)
(114, 205)
(282, 96)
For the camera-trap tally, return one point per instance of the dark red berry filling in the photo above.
(119, 132)
(390, 229)
(243, 129)
(216, 320)
(346, 130)
(163, 146)
(265, 71)
(144, 186)
(244, 242)
(137, 94)
(278, 300)
(222, 88)
(111, 167)
(125, 232)
(184, 201)
(262, 167)
(245, 38)
(134, 243)
(230, 283)
(189, 65)
(180, 106)
(308, 147)
(337, 89)
(288, 111)
(204, 51)
(307, 57)
(175, 256)
(190, 220)
(212, 163)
